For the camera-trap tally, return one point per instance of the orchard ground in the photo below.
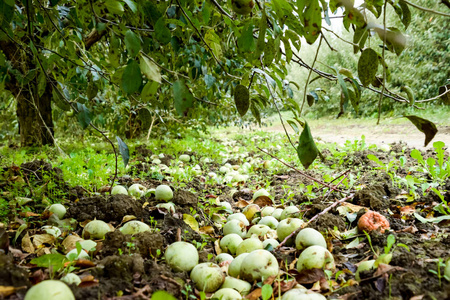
(413, 197)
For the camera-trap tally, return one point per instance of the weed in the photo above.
(438, 170)
(440, 264)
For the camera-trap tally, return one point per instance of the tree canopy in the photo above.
(195, 61)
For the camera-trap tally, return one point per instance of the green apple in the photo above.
(242, 7)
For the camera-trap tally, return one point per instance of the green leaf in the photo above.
(409, 93)
(162, 33)
(344, 88)
(425, 126)
(246, 41)
(213, 41)
(162, 295)
(124, 152)
(150, 69)
(149, 91)
(54, 260)
(312, 20)
(133, 43)
(395, 40)
(255, 112)
(261, 41)
(406, 15)
(59, 100)
(114, 6)
(266, 291)
(132, 77)
(183, 98)
(83, 115)
(269, 52)
(307, 150)
(132, 5)
(241, 99)
(367, 66)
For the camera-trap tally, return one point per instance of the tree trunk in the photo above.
(35, 118)
(33, 112)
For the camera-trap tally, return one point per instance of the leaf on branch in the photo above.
(59, 100)
(246, 42)
(83, 115)
(241, 99)
(133, 43)
(425, 126)
(149, 91)
(312, 20)
(183, 97)
(162, 33)
(406, 13)
(114, 7)
(395, 40)
(307, 150)
(213, 41)
(150, 69)
(131, 78)
(367, 66)
(132, 5)
(124, 151)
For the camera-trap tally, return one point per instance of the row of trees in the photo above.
(183, 58)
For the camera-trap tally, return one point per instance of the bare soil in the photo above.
(384, 133)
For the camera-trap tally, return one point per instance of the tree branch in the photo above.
(203, 40)
(446, 2)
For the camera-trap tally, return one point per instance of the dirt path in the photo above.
(338, 132)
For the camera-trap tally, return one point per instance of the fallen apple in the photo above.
(163, 192)
(181, 256)
(286, 227)
(230, 242)
(207, 277)
(309, 237)
(315, 257)
(259, 265)
(119, 189)
(96, 229)
(50, 290)
(133, 227)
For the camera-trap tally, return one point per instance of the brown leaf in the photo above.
(284, 285)
(70, 242)
(384, 268)
(128, 218)
(104, 189)
(263, 201)
(43, 251)
(407, 210)
(410, 229)
(6, 291)
(242, 203)
(207, 230)
(425, 126)
(307, 276)
(82, 263)
(41, 239)
(254, 295)
(88, 284)
(28, 214)
(27, 245)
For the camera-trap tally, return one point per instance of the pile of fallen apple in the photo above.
(248, 240)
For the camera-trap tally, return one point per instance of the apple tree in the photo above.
(182, 60)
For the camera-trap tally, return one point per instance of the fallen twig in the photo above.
(303, 173)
